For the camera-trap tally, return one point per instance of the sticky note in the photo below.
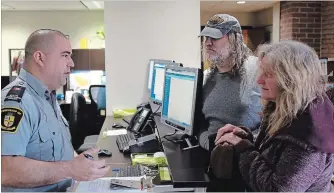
(116, 132)
(83, 43)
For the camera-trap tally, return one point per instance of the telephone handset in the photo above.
(139, 120)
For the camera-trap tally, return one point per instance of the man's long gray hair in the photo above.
(239, 52)
(238, 56)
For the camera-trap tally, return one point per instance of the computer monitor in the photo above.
(158, 78)
(182, 99)
(150, 71)
(323, 62)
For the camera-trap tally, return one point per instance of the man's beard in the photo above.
(220, 59)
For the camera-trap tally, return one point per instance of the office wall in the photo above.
(259, 18)
(311, 23)
(270, 18)
(276, 22)
(327, 36)
(18, 25)
(245, 19)
(138, 31)
(301, 21)
(264, 17)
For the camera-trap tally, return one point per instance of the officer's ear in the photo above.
(39, 58)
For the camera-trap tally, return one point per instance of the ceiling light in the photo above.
(241, 2)
(96, 4)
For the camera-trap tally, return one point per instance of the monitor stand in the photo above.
(157, 114)
(186, 142)
(189, 142)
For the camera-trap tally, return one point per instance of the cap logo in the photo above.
(215, 20)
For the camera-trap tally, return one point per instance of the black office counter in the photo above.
(118, 159)
(187, 167)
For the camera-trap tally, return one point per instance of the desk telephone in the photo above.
(139, 121)
(142, 132)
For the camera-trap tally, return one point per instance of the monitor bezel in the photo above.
(156, 101)
(149, 80)
(189, 130)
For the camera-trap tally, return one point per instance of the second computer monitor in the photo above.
(182, 98)
(150, 71)
(158, 78)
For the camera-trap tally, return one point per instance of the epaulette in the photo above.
(15, 93)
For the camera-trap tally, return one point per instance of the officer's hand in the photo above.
(84, 169)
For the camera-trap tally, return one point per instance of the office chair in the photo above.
(76, 119)
(101, 98)
(97, 95)
(79, 118)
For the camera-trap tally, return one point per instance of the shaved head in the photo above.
(48, 57)
(40, 40)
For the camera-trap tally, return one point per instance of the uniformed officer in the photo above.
(36, 149)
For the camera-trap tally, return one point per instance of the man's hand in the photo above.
(229, 129)
(84, 169)
(34, 173)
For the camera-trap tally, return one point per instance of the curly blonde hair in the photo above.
(297, 70)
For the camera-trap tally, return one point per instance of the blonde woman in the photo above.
(295, 146)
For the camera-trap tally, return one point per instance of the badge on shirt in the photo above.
(15, 94)
(10, 119)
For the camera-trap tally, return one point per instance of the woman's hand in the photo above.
(232, 134)
(230, 138)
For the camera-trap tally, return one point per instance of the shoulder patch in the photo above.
(10, 119)
(15, 94)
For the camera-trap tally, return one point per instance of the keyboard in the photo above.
(130, 171)
(123, 140)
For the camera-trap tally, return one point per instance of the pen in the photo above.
(89, 156)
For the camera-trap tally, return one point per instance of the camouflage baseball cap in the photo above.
(219, 25)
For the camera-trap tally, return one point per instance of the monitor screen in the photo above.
(103, 80)
(179, 98)
(150, 72)
(323, 62)
(158, 78)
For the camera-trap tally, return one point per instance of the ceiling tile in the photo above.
(207, 5)
(45, 5)
(232, 6)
